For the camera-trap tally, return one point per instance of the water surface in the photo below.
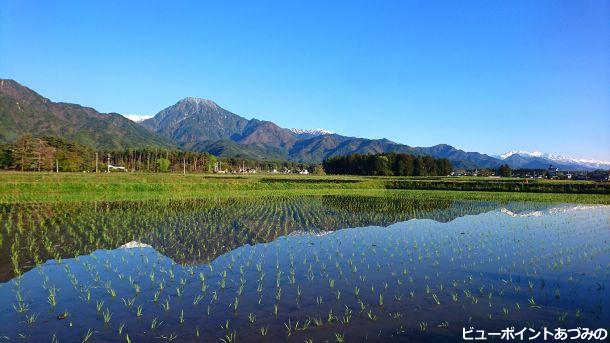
(324, 268)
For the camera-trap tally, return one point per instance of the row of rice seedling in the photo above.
(195, 230)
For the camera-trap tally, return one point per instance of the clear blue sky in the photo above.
(486, 76)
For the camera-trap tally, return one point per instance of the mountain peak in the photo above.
(199, 102)
(18, 91)
(9, 83)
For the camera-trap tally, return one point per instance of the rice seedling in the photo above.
(51, 299)
(229, 338)
(532, 303)
(197, 299)
(128, 302)
(438, 302)
(165, 305)
(423, 326)
(87, 336)
(107, 316)
(264, 330)
(31, 318)
(346, 316)
(288, 327)
(331, 317)
(155, 323)
(21, 307)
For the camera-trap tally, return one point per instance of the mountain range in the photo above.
(202, 125)
(536, 159)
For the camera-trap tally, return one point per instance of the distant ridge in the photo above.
(23, 111)
(537, 159)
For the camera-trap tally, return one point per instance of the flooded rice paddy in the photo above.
(302, 269)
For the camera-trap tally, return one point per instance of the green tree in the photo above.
(212, 160)
(6, 157)
(430, 166)
(444, 166)
(318, 170)
(24, 152)
(382, 166)
(404, 165)
(419, 168)
(163, 165)
(504, 170)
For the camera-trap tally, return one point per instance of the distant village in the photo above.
(218, 168)
(272, 171)
(552, 172)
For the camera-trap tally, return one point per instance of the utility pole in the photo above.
(108, 163)
(96, 170)
(184, 166)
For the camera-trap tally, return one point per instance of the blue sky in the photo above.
(487, 76)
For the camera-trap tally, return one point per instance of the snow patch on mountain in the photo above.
(315, 132)
(557, 158)
(134, 244)
(137, 117)
(522, 153)
(199, 102)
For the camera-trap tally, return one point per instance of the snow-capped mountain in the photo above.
(537, 159)
(313, 132)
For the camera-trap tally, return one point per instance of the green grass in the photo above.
(500, 185)
(18, 187)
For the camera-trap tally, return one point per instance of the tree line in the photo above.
(30, 153)
(386, 164)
